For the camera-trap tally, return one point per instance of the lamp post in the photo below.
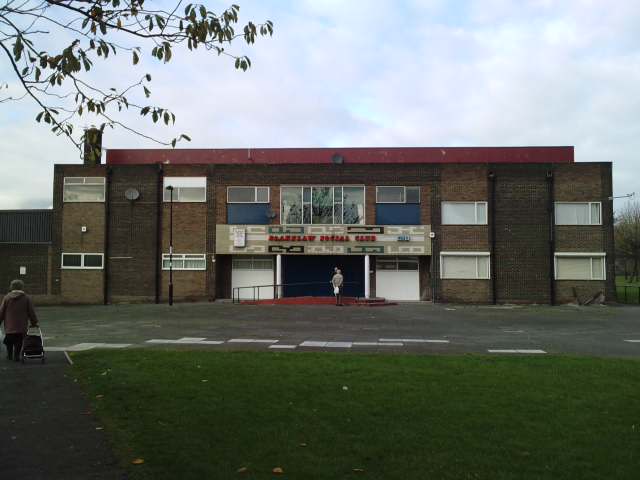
(170, 188)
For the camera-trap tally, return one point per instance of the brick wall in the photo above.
(36, 260)
(81, 286)
(466, 291)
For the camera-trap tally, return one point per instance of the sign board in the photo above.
(323, 239)
(239, 237)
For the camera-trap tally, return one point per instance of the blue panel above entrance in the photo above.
(315, 271)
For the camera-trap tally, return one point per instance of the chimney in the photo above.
(92, 146)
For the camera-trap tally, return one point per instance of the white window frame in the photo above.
(84, 182)
(341, 202)
(253, 259)
(81, 267)
(255, 193)
(404, 193)
(555, 213)
(475, 204)
(466, 254)
(183, 182)
(396, 260)
(590, 256)
(183, 257)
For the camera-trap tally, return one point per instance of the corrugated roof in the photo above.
(25, 226)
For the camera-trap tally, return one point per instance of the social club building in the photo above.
(481, 225)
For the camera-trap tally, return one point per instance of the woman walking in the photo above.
(17, 313)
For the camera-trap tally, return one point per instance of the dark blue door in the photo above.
(315, 271)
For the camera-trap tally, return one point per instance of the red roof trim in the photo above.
(276, 156)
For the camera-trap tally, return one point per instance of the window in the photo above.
(322, 205)
(248, 195)
(585, 213)
(85, 261)
(580, 266)
(402, 264)
(256, 262)
(83, 189)
(465, 265)
(464, 213)
(398, 194)
(186, 189)
(185, 261)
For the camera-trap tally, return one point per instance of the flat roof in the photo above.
(278, 156)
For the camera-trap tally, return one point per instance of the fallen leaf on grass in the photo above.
(303, 444)
(242, 470)
(358, 470)
(99, 396)
(99, 428)
(137, 461)
(278, 470)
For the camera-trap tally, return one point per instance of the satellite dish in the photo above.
(131, 194)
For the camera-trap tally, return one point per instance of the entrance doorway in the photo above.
(316, 271)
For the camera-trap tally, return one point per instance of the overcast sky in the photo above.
(382, 73)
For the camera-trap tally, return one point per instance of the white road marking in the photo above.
(513, 331)
(182, 341)
(80, 347)
(633, 341)
(526, 351)
(339, 344)
(250, 340)
(378, 344)
(191, 339)
(312, 343)
(412, 340)
(283, 347)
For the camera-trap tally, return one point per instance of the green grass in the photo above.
(400, 417)
(632, 292)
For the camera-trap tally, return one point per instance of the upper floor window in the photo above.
(322, 205)
(578, 213)
(580, 266)
(464, 213)
(247, 194)
(83, 189)
(397, 194)
(82, 261)
(185, 189)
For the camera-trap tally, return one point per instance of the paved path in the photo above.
(46, 429)
(405, 328)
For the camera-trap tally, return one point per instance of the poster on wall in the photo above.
(239, 237)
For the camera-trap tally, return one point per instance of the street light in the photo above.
(170, 188)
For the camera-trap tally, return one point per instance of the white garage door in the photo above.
(397, 278)
(252, 271)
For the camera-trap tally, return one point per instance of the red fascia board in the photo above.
(278, 156)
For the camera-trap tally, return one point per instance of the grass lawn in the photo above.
(204, 415)
(632, 291)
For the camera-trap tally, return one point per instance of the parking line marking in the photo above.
(633, 341)
(313, 343)
(412, 340)
(519, 350)
(182, 341)
(283, 347)
(378, 344)
(250, 340)
(190, 339)
(338, 344)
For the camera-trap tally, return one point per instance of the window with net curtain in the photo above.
(571, 267)
(322, 205)
(585, 213)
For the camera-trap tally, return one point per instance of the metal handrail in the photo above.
(277, 289)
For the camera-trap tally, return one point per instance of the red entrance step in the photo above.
(359, 302)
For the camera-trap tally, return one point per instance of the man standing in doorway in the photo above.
(337, 280)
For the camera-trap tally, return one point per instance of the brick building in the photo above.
(482, 225)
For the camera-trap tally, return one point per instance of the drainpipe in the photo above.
(158, 251)
(552, 237)
(107, 242)
(492, 220)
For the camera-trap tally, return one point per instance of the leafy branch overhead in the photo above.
(57, 79)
